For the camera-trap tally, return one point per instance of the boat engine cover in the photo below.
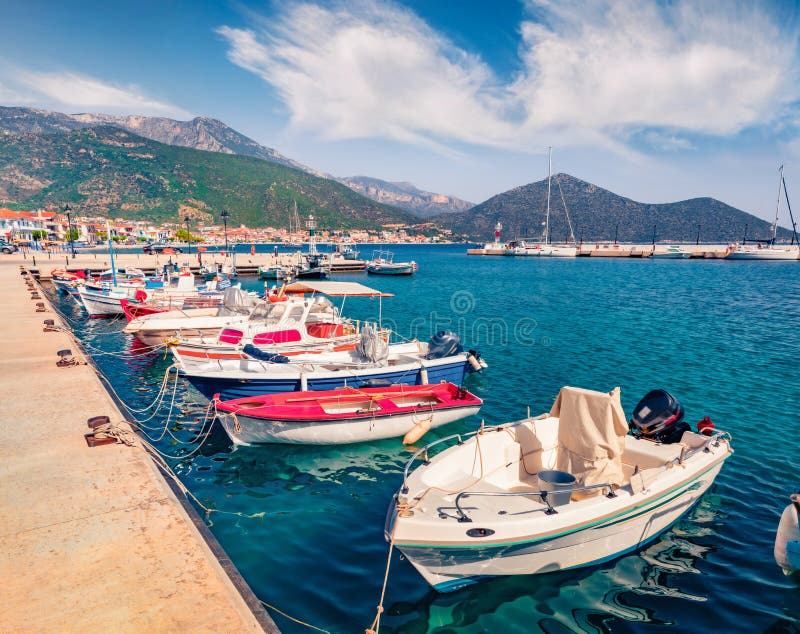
(444, 344)
(656, 413)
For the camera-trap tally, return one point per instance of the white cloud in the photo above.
(69, 91)
(591, 74)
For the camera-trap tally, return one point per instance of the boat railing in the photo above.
(425, 450)
(543, 495)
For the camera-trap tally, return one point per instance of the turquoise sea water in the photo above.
(721, 336)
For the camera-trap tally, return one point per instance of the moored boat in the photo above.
(254, 372)
(674, 252)
(562, 490)
(345, 415)
(383, 263)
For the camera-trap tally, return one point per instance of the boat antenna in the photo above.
(111, 252)
(777, 207)
(791, 215)
(547, 217)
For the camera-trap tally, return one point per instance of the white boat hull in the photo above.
(449, 569)
(765, 254)
(152, 331)
(245, 430)
(475, 510)
(100, 304)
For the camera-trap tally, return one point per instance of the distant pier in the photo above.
(619, 250)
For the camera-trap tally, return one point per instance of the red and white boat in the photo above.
(345, 415)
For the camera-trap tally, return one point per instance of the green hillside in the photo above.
(599, 215)
(110, 172)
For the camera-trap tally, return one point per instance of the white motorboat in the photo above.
(562, 490)
(674, 252)
(768, 249)
(787, 539)
(154, 329)
(105, 300)
(288, 323)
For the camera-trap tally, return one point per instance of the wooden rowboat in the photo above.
(345, 415)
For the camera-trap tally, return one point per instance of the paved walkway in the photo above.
(91, 539)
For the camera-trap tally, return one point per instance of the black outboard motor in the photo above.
(444, 344)
(658, 417)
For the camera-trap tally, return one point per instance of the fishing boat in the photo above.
(277, 272)
(67, 281)
(566, 489)
(383, 264)
(299, 318)
(674, 252)
(768, 249)
(787, 539)
(345, 415)
(256, 373)
(153, 326)
(545, 247)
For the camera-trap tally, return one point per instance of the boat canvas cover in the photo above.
(591, 435)
(335, 289)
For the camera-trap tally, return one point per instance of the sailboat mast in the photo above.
(111, 252)
(547, 217)
(777, 206)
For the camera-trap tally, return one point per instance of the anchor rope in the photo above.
(404, 507)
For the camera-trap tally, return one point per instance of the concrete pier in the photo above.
(93, 539)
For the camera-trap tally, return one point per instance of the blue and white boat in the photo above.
(255, 373)
(562, 490)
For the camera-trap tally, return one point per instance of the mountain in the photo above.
(600, 215)
(109, 171)
(406, 196)
(203, 133)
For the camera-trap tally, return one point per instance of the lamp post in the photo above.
(68, 211)
(616, 233)
(697, 241)
(225, 215)
(188, 236)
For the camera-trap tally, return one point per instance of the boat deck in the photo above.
(93, 539)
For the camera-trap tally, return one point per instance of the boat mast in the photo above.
(777, 206)
(547, 217)
(111, 252)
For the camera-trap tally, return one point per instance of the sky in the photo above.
(656, 101)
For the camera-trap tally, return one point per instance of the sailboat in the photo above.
(768, 250)
(545, 247)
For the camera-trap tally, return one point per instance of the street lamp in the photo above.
(188, 236)
(225, 215)
(697, 241)
(68, 211)
(616, 233)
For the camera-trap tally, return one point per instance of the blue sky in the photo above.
(658, 101)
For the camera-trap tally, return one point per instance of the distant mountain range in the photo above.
(109, 171)
(600, 215)
(203, 133)
(406, 196)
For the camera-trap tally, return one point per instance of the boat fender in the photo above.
(417, 431)
(251, 351)
(705, 426)
(423, 375)
(787, 540)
